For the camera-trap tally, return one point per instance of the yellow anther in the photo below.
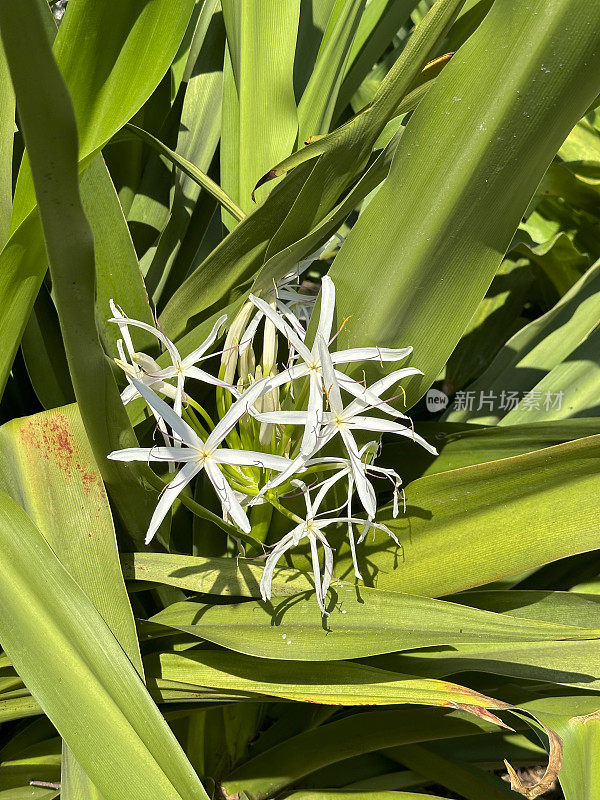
(403, 395)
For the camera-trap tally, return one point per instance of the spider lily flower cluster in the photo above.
(259, 439)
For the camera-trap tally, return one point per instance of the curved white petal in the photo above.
(330, 382)
(120, 319)
(251, 458)
(388, 426)
(227, 496)
(370, 354)
(200, 375)
(170, 494)
(363, 486)
(172, 350)
(316, 571)
(250, 332)
(212, 337)
(370, 395)
(287, 376)
(282, 326)
(236, 411)
(286, 543)
(178, 425)
(313, 414)
(283, 417)
(327, 308)
(327, 564)
(153, 454)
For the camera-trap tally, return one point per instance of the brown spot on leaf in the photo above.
(586, 717)
(48, 437)
(51, 435)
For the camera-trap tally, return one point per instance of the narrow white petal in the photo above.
(170, 494)
(172, 350)
(327, 484)
(330, 383)
(178, 402)
(227, 496)
(286, 311)
(251, 458)
(363, 486)
(286, 543)
(296, 465)
(370, 396)
(313, 414)
(351, 530)
(327, 308)
(282, 326)
(317, 572)
(287, 376)
(250, 332)
(120, 318)
(283, 417)
(327, 563)
(380, 527)
(212, 337)
(128, 394)
(178, 425)
(153, 454)
(389, 426)
(200, 375)
(370, 354)
(236, 411)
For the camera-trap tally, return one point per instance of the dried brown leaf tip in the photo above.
(269, 176)
(550, 775)
(484, 713)
(221, 794)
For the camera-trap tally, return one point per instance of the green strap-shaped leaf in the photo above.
(468, 163)
(118, 274)
(576, 720)
(359, 733)
(259, 108)
(190, 170)
(315, 110)
(472, 782)
(197, 140)
(46, 465)
(48, 468)
(112, 62)
(364, 796)
(532, 354)
(50, 134)
(7, 129)
(82, 673)
(346, 683)
(565, 663)
(362, 622)
(489, 521)
(301, 202)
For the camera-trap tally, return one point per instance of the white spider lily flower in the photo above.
(310, 528)
(311, 363)
(346, 471)
(151, 374)
(343, 420)
(198, 455)
(286, 298)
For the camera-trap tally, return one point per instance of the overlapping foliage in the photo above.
(246, 238)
